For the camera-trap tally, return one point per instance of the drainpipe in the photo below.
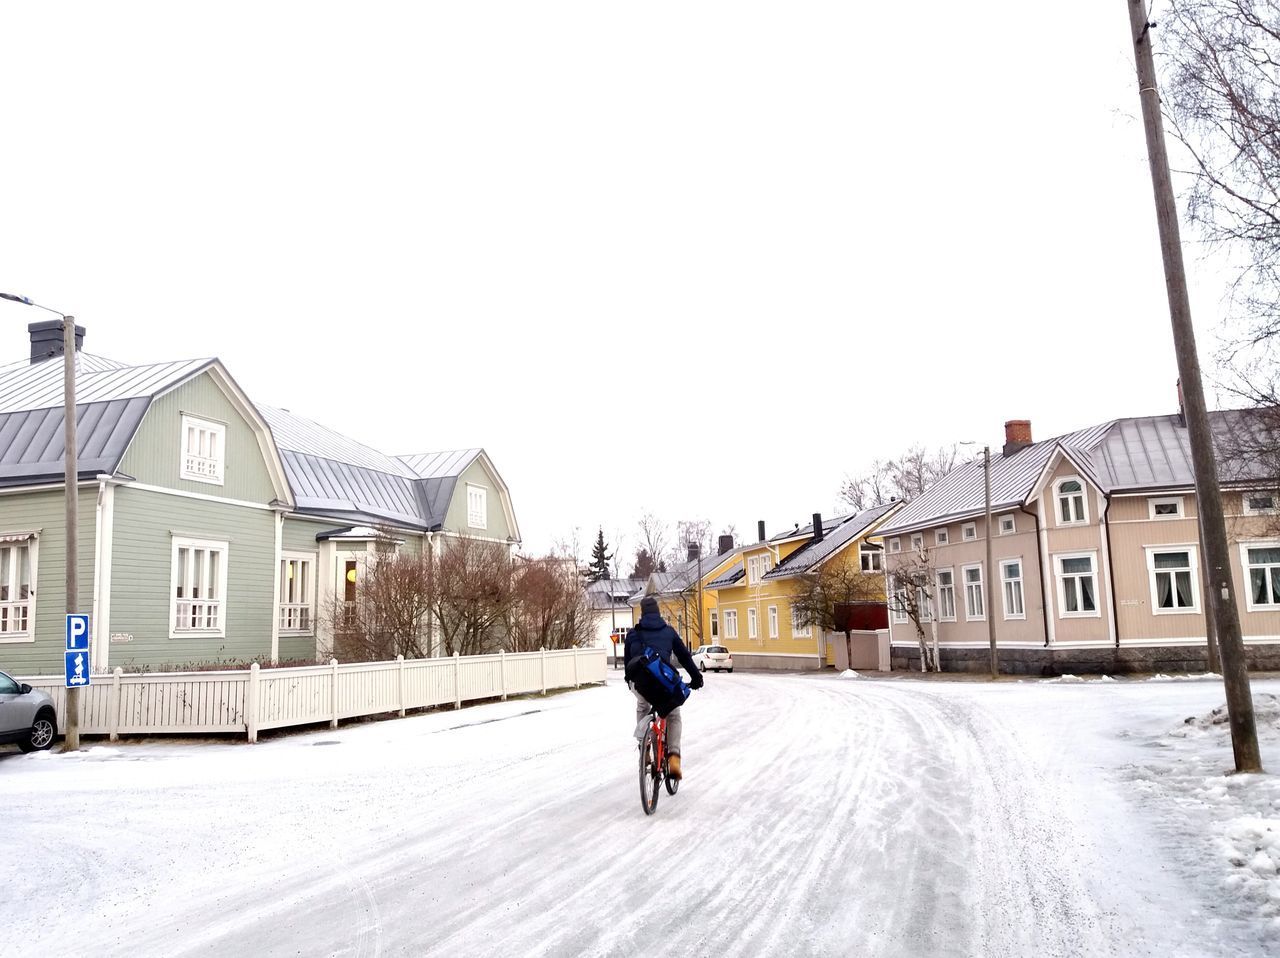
(1111, 570)
(1044, 599)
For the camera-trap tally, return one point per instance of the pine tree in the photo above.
(598, 570)
(644, 566)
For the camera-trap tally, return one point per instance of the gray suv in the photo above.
(26, 715)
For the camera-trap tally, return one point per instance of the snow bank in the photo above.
(1203, 677)
(850, 674)
(1064, 680)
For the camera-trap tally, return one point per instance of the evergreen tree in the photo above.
(598, 570)
(644, 566)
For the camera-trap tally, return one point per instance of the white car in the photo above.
(713, 658)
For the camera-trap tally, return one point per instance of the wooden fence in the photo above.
(253, 699)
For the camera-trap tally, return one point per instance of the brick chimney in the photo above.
(760, 529)
(725, 545)
(817, 527)
(46, 339)
(695, 550)
(1017, 435)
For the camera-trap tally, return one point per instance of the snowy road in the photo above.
(819, 816)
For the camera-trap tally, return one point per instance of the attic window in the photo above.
(477, 507)
(1008, 525)
(204, 450)
(1259, 503)
(1167, 508)
(1071, 502)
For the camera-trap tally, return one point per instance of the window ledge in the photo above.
(197, 634)
(207, 480)
(1079, 615)
(1015, 618)
(13, 638)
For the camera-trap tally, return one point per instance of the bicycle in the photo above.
(655, 763)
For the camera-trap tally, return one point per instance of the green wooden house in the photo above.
(211, 528)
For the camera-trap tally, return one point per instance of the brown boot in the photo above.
(673, 766)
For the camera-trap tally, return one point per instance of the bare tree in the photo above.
(389, 613)
(903, 478)
(651, 534)
(1222, 101)
(549, 607)
(691, 532)
(471, 595)
(913, 586)
(826, 593)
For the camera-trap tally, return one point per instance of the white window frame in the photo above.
(715, 624)
(224, 548)
(204, 465)
(477, 506)
(1250, 511)
(1166, 501)
(1060, 576)
(900, 616)
(866, 552)
(757, 567)
(940, 537)
(1245, 546)
(1194, 568)
(773, 621)
(800, 631)
(1005, 582)
(969, 532)
(753, 624)
(945, 593)
(917, 542)
(924, 603)
(969, 615)
(27, 606)
(730, 623)
(1013, 524)
(895, 545)
(304, 608)
(1059, 495)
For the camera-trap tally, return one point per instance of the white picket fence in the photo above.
(253, 699)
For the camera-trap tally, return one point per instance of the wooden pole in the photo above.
(72, 718)
(991, 572)
(1235, 674)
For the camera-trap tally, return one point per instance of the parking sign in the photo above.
(77, 669)
(77, 632)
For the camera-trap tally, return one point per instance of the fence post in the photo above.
(502, 671)
(543, 652)
(400, 679)
(251, 704)
(457, 681)
(576, 683)
(333, 664)
(113, 706)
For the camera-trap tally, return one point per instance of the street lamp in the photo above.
(987, 574)
(72, 718)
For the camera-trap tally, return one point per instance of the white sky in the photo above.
(699, 258)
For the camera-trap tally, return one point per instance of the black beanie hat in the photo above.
(648, 604)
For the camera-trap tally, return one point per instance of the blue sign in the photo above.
(77, 669)
(77, 633)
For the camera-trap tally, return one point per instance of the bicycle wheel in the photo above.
(672, 783)
(650, 775)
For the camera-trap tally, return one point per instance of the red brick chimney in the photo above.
(1017, 435)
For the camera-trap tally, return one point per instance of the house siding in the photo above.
(145, 525)
(154, 456)
(1066, 539)
(456, 516)
(44, 513)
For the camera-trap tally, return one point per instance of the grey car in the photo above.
(26, 715)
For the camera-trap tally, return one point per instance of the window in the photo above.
(917, 542)
(773, 621)
(924, 603)
(1008, 525)
(1077, 586)
(477, 507)
(940, 537)
(1071, 508)
(1259, 503)
(899, 607)
(715, 624)
(946, 595)
(199, 584)
(17, 577)
(895, 545)
(1262, 563)
(753, 629)
(731, 624)
(757, 566)
(297, 593)
(1173, 580)
(1167, 508)
(968, 531)
(203, 450)
(975, 606)
(1011, 578)
(870, 557)
(799, 631)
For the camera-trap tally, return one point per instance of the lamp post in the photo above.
(988, 573)
(72, 718)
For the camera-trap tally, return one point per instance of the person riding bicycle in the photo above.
(653, 632)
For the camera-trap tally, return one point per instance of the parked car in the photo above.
(713, 658)
(26, 715)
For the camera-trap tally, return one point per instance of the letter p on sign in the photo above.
(77, 633)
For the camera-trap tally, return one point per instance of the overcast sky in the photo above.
(703, 259)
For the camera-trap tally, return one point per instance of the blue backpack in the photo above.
(657, 682)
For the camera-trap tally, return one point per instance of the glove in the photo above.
(695, 680)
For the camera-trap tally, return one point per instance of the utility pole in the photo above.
(991, 577)
(1235, 674)
(72, 730)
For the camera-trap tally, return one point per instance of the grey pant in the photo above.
(674, 724)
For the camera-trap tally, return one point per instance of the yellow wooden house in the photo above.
(752, 615)
(684, 598)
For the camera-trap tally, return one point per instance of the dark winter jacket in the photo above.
(653, 632)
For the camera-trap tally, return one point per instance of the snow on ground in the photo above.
(818, 816)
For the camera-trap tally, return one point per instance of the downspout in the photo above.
(95, 655)
(1043, 548)
(1111, 572)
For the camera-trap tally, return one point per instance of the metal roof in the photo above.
(608, 594)
(728, 577)
(813, 553)
(298, 434)
(39, 385)
(331, 488)
(31, 441)
(440, 465)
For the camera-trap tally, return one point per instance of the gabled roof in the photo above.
(684, 577)
(604, 595)
(813, 554)
(440, 465)
(729, 577)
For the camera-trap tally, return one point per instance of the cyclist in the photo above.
(653, 632)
